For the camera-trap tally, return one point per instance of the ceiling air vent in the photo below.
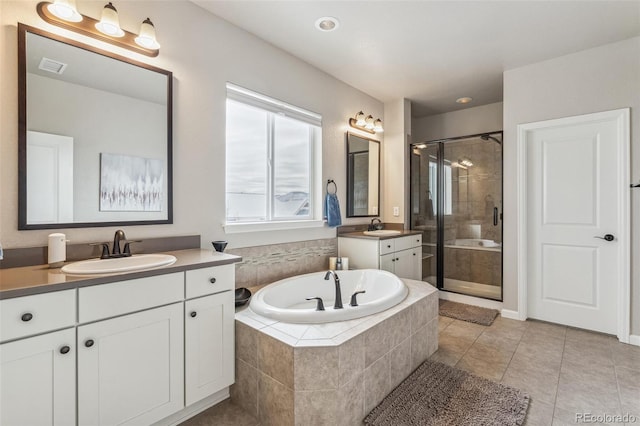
(50, 65)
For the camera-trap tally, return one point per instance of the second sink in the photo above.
(382, 232)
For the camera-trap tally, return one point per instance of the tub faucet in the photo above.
(338, 302)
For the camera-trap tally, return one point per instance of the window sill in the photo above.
(237, 228)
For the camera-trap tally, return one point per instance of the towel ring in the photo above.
(329, 182)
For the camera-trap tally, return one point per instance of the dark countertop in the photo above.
(361, 234)
(28, 280)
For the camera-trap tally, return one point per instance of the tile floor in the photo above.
(564, 370)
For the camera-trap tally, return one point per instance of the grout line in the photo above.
(555, 400)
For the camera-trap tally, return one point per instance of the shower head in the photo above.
(486, 137)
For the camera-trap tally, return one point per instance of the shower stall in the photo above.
(456, 201)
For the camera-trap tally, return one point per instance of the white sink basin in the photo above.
(381, 232)
(122, 264)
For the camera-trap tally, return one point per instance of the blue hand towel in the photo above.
(332, 206)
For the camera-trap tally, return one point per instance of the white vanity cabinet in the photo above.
(133, 352)
(130, 364)
(401, 255)
(209, 331)
(38, 380)
(130, 368)
(38, 373)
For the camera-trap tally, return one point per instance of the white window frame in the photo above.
(314, 219)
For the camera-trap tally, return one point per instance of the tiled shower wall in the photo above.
(266, 264)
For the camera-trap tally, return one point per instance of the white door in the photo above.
(49, 178)
(209, 345)
(38, 380)
(577, 212)
(131, 368)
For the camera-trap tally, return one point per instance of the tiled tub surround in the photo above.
(333, 373)
(266, 264)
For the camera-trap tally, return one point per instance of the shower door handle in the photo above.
(495, 216)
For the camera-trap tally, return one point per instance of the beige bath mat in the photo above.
(469, 313)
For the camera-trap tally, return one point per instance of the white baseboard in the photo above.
(470, 300)
(634, 339)
(194, 409)
(515, 315)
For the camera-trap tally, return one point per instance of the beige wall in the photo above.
(600, 79)
(470, 121)
(395, 169)
(203, 52)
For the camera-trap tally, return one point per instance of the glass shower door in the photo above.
(456, 201)
(424, 187)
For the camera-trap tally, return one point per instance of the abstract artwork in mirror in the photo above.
(77, 104)
(363, 176)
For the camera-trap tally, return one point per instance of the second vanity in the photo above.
(399, 253)
(154, 346)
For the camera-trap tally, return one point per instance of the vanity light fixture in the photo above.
(465, 162)
(107, 29)
(366, 124)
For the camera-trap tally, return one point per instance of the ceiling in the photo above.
(431, 52)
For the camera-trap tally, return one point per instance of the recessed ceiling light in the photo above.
(464, 100)
(327, 23)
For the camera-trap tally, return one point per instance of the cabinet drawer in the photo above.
(109, 300)
(411, 241)
(201, 282)
(24, 316)
(387, 246)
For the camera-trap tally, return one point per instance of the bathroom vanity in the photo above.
(133, 348)
(400, 253)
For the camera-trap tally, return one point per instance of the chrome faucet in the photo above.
(336, 279)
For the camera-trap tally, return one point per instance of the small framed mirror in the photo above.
(363, 176)
(94, 136)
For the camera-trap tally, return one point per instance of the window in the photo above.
(433, 189)
(272, 160)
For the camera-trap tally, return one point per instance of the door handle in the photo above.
(495, 216)
(607, 237)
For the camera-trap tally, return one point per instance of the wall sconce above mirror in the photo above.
(94, 137)
(366, 124)
(363, 176)
(63, 13)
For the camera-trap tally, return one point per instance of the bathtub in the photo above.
(285, 301)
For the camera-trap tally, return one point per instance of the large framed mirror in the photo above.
(95, 129)
(363, 176)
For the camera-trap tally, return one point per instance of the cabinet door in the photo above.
(405, 264)
(388, 262)
(209, 345)
(38, 380)
(130, 368)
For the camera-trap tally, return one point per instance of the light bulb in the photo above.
(377, 126)
(65, 10)
(109, 23)
(369, 123)
(360, 119)
(147, 37)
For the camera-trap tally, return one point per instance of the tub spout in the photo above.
(338, 302)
